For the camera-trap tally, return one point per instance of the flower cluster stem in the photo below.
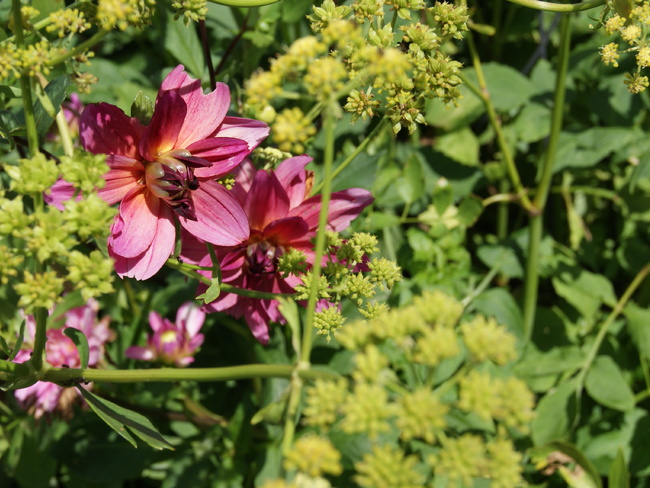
(541, 195)
(559, 7)
(247, 371)
(328, 162)
(483, 93)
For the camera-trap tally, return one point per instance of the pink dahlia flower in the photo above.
(167, 170)
(280, 217)
(60, 352)
(172, 343)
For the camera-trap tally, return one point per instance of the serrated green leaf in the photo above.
(80, 340)
(142, 108)
(606, 384)
(554, 414)
(119, 418)
(55, 91)
(619, 477)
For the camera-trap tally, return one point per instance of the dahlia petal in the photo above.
(244, 175)
(344, 207)
(225, 153)
(59, 193)
(250, 130)
(105, 129)
(283, 231)
(292, 175)
(139, 215)
(148, 263)
(156, 322)
(220, 219)
(163, 130)
(266, 201)
(258, 323)
(190, 318)
(124, 175)
(139, 352)
(204, 113)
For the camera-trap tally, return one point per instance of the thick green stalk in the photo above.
(541, 195)
(244, 3)
(328, 162)
(559, 7)
(247, 371)
(64, 133)
(483, 93)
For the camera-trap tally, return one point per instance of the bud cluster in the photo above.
(382, 57)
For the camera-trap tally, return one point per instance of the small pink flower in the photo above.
(280, 217)
(167, 171)
(60, 351)
(172, 343)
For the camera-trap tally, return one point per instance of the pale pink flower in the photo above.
(60, 351)
(281, 216)
(172, 343)
(167, 171)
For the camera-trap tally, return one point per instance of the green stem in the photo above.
(541, 196)
(559, 7)
(244, 3)
(14, 368)
(247, 371)
(360, 148)
(618, 308)
(79, 49)
(64, 133)
(483, 93)
(192, 273)
(328, 163)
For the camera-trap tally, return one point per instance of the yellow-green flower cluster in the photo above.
(43, 238)
(191, 10)
(67, 21)
(314, 456)
(366, 64)
(121, 14)
(398, 396)
(629, 20)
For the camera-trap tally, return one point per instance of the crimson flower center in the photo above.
(171, 178)
(262, 255)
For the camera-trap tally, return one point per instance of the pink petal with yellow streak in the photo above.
(220, 218)
(105, 129)
(162, 132)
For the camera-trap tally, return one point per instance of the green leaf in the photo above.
(584, 290)
(182, 42)
(638, 323)
(554, 414)
(500, 304)
(119, 418)
(507, 87)
(461, 146)
(619, 477)
(80, 340)
(411, 185)
(72, 300)
(453, 118)
(142, 108)
(19, 341)
(55, 91)
(469, 210)
(533, 123)
(289, 310)
(606, 384)
(213, 291)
